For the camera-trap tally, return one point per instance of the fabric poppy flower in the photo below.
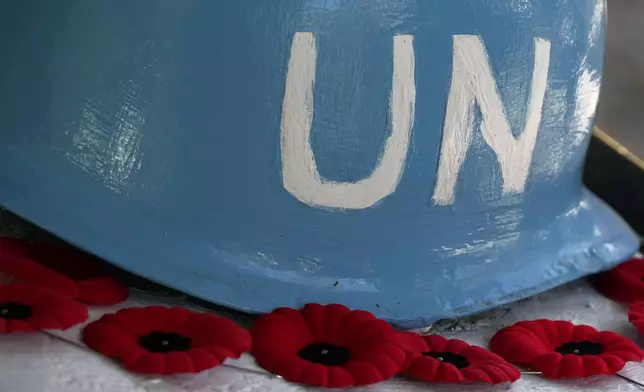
(560, 349)
(636, 316)
(624, 283)
(27, 308)
(61, 268)
(327, 346)
(436, 359)
(160, 340)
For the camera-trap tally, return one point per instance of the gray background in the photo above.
(621, 104)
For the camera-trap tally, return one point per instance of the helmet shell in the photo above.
(417, 159)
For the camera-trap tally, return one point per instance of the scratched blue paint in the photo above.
(148, 132)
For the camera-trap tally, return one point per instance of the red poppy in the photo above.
(160, 340)
(560, 349)
(327, 346)
(26, 308)
(624, 283)
(62, 268)
(437, 359)
(636, 316)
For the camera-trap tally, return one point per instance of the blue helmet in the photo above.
(417, 159)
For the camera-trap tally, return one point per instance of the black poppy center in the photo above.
(164, 342)
(580, 348)
(457, 360)
(325, 354)
(14, 311)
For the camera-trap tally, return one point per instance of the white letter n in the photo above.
(472, 81)
(299, 170)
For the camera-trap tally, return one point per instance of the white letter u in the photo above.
(300, 175)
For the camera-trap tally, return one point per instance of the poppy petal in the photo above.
(479, 354)
(387, 362)
(448, 373)
(17, 326)
(374, 330)
(19, 292)
(131, 319)
(563, 331)
(475, 374)
(455, 346)
(509, 372)
(149, 363)
(203, 359)
(316, 374)
(548, 364)
(595, 365)
(334, 316)
(340, 377)
(413, 343)
(177, 318)
(622, 283)
(156, 318)
(337, 348)
(572, 366)
(211, 330)
(560, 349)
(103, 291)
(499, 373)
(160, 340)
(62, 268)
(291, 369)
(109, 340)
(636, 316)
(583, 332)
(294, 317)
(29, 272)
(353, 321)
(222, 353)
(282, 338)
(314, 316)
(613, 362)
(365, 373)
(454, 361)
(181, 362)
(423, 368)
(28, 308)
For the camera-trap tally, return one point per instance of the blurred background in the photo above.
(615, 164)
(621, 104)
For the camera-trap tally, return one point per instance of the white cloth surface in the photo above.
(59, 363)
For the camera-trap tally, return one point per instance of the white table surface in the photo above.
(44, 363)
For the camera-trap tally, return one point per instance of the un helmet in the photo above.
(417, 159)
